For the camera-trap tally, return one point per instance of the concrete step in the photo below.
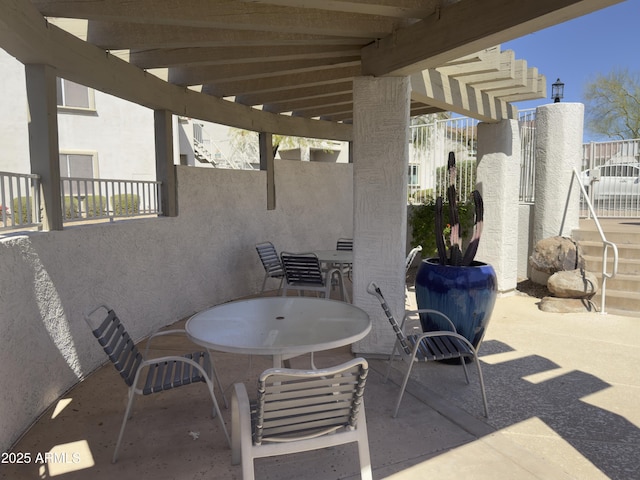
(619, 302)
(621, 282)
(629, 236)
(625, 265)
(622, 291)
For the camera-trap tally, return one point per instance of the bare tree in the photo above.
(612, 105)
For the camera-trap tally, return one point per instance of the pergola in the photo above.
(353, 70)
(294, 59)
(280, 67)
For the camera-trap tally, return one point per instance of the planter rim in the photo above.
(435, 261)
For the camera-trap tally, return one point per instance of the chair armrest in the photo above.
(161, 333)
(330, 271)
(240, 421)
(435, 312)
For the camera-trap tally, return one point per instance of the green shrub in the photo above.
(422, 222)
(71, 209)
(95, 206)
(125, 204)
(20, 207)
(423, 196)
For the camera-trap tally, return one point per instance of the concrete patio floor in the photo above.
(563, 393)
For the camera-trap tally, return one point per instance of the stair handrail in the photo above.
(606, 244)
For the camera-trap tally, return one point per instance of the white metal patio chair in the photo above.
(410, 257)
(303, 272)
(162, 373)
(427, 347)
(345, 244)
(271, 263)
(298, 411)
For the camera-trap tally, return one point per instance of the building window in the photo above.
(74, 95)
(413, 176)
(77, 165)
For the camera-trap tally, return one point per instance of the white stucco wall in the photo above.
(14, 133)
(525, 240)
(152, 271)
(118, 132)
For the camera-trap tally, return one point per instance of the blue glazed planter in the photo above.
(465, 294)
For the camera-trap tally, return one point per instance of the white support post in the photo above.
(380, 162)
(498, 181)
(559, 131)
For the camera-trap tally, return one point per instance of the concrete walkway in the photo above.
(563, 392)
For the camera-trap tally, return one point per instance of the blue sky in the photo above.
(577, 50)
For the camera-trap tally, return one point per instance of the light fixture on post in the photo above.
(557, 91)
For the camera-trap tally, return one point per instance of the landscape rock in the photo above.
(556, 254)
(573, 284)
(566, 305)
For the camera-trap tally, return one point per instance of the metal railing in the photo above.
(431, 143)
(611, 173)
(97, 198)
(527, 127)
(605, 243)
(19, 201)
(430, 146)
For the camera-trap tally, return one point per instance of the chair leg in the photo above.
(391, 357)
(402, 388)
(363, 446)
(216, 410)
(464, 368)
(345, 295)
(264, 283)
(484, 394)
(132, 396)
(214, 374)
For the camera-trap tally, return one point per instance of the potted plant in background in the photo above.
(453, 282)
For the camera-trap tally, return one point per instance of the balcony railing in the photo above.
(92, 198)
(19, 201)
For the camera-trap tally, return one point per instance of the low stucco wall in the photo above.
(525, 239)
(151, 271)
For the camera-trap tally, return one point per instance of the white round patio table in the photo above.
(278, 326)
(334, 256)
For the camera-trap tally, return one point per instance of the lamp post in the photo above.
(557, 91)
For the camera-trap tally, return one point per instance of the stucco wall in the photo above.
(525, 240)
(14, 123)
(152, 271)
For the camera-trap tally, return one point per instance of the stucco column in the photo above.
(380, 162)
(165, 168)
(559, 129)
(44, 148)
(498, 180)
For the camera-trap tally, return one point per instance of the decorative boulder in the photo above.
(566, 305)
(573, 284)
(556, 254)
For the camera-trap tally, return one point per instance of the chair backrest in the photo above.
(269, 257)
(374, 290)
(302, 268)
(298, 404)
(411, 256)
(344, 244)
(115, 341)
